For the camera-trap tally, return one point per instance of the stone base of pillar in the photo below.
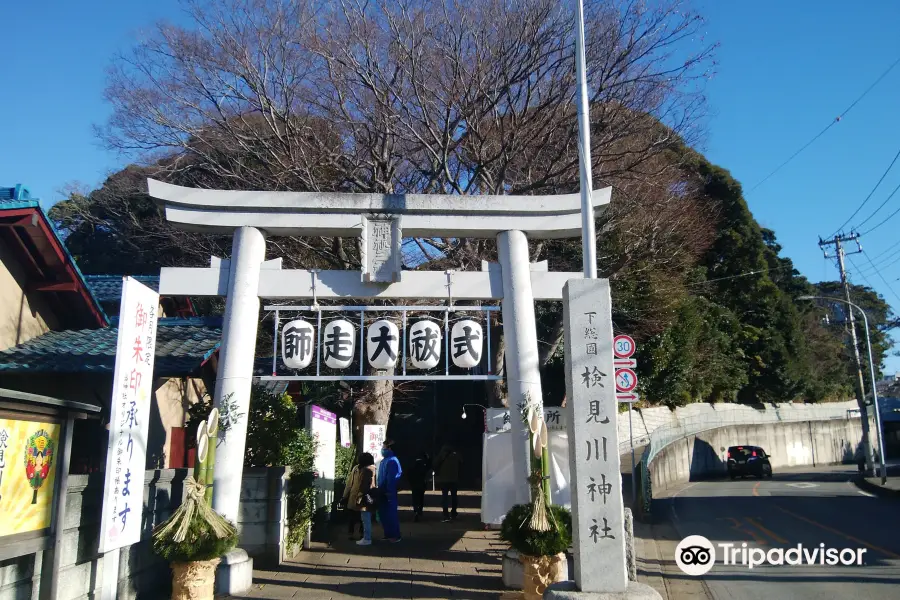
(235, 573)
(630, 555)
(514, 571)
(566, 590)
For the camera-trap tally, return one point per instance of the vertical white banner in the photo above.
(323, 426)
(346, 441)
(373, 438)
(129, 420)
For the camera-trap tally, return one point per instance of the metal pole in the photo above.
(434, 427)
(867, 443)
(59, 516)
(863, 413)
(110, 578)
(588, 236)
(874, 397)
(275, 345)
(631, 441)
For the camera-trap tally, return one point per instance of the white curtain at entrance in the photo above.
(498, 494)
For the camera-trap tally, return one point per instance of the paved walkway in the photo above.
(890, 488)
(434, 560)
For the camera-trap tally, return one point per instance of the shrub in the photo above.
(275, 437)
(343, 464)
(300, 455)
(516, 532)
(343, 461)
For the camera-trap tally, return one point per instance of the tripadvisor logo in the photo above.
(695, 555)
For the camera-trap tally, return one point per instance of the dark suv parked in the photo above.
(748, 460)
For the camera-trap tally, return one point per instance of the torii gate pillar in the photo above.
(235, 372)
(523, 377)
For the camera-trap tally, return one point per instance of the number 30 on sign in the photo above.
(623, 346)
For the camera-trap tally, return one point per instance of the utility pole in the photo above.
(839, 254)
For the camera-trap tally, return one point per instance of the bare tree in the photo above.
(450, 96)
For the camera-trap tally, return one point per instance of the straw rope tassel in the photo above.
(194, 506)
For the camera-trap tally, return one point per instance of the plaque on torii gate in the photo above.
(246, 277)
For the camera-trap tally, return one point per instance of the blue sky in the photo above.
(785, 70)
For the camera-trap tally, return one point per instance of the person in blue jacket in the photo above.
(389, 473)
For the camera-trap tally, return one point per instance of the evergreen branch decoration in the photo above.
(228, 414)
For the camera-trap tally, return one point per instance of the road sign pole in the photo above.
(631, 441)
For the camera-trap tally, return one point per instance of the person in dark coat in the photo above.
(363, 497)
(348, 501)
(418, 477)
(446, 467)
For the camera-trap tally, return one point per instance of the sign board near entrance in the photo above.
(594, 467)
(126, 460)
(28, 464)
(323, 427)
(346, 441)
(373, 438)
(498, 419)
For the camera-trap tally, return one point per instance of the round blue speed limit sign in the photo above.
(623, 346)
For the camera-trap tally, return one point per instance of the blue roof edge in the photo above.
(71, 258)
(115, 277)
(24, 200)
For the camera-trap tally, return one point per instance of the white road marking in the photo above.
(804, 485)
(675, 495)
(859, 491)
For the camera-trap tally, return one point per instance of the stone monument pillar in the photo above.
(235, 372)
(598, 516)
(523, 377)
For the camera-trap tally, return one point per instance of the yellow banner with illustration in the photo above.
(27, 474)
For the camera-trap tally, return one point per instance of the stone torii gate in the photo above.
(380, 220)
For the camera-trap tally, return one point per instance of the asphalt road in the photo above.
(809, 506)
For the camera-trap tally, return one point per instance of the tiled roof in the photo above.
(180, 350)
(19, 193)
(108, 288)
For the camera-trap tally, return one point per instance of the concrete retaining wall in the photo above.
(647, 420)
(142, 574)
(703, 454)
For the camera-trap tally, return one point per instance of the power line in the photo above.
(860, 207)
(795, 154)
(830, 125)
(880, 276)
(859, 272)
(747, 274)
(883, 265)
(886, 250)
(889, 217)
(886, 261)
